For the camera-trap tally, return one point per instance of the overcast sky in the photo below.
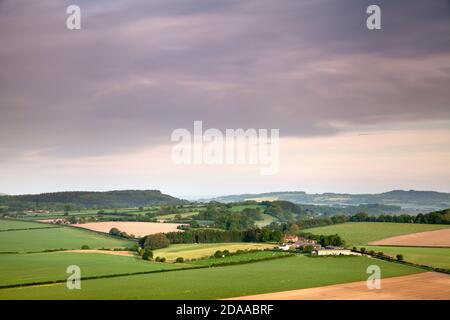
(93, 109)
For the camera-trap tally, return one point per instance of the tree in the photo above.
(179, 260)
(399, 257)
(308, 249)
(360, 216)
(67, 209)
(294, 229)
(148, 254)
(115, 232)
(156, 241)
(363, 250)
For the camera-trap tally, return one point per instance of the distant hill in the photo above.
(90, 199)
(408, 200)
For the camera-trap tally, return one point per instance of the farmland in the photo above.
(435, 257)
(55, 238)
(6, 225)
(50, 266)
(196, 251)
(361, 233)
(244, 257)
(433, 286)
(173, 215)
(220, 282)
(267, 219)
(130, 277)
(435, 238)
(237, 208)
(139, 229)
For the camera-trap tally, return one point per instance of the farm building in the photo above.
(284, 247)
(290, 239)
(334, 251)
(300, 242)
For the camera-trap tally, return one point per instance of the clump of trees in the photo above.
(330, 240)
(147, 254)
(225, 218)
(160, 259)
(154, 241)
(122, 234)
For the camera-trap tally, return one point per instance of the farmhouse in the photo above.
(302, 242)
(290, 239)
(334, 251)
(288, 242)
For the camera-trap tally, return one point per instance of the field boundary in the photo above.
(25, 229)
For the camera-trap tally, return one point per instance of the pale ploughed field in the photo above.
(436, 238)
(422, 286)
(138, 229)
(116, 253)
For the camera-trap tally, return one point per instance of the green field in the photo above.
(361, 233)
(244, 257)
(14, 224)
(237, 208)
(267, 219)
(291, 273)
(56, 238)
(38, 267)
(173, 215)
(434, 257)
(197, 250)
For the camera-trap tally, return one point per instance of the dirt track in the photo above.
(422, 286)
(436, 238)
(139, 229)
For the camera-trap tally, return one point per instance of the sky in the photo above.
(358, 110)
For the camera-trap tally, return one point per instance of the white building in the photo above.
(334, 251)
(284, 247)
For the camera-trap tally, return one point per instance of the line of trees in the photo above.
(216, 236)
(330, 240)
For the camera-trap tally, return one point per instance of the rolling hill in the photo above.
(408, 200)
(90, 199)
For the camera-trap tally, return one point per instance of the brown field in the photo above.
(139, 229)
(422, 286)
(117, 253)
(436, 238)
